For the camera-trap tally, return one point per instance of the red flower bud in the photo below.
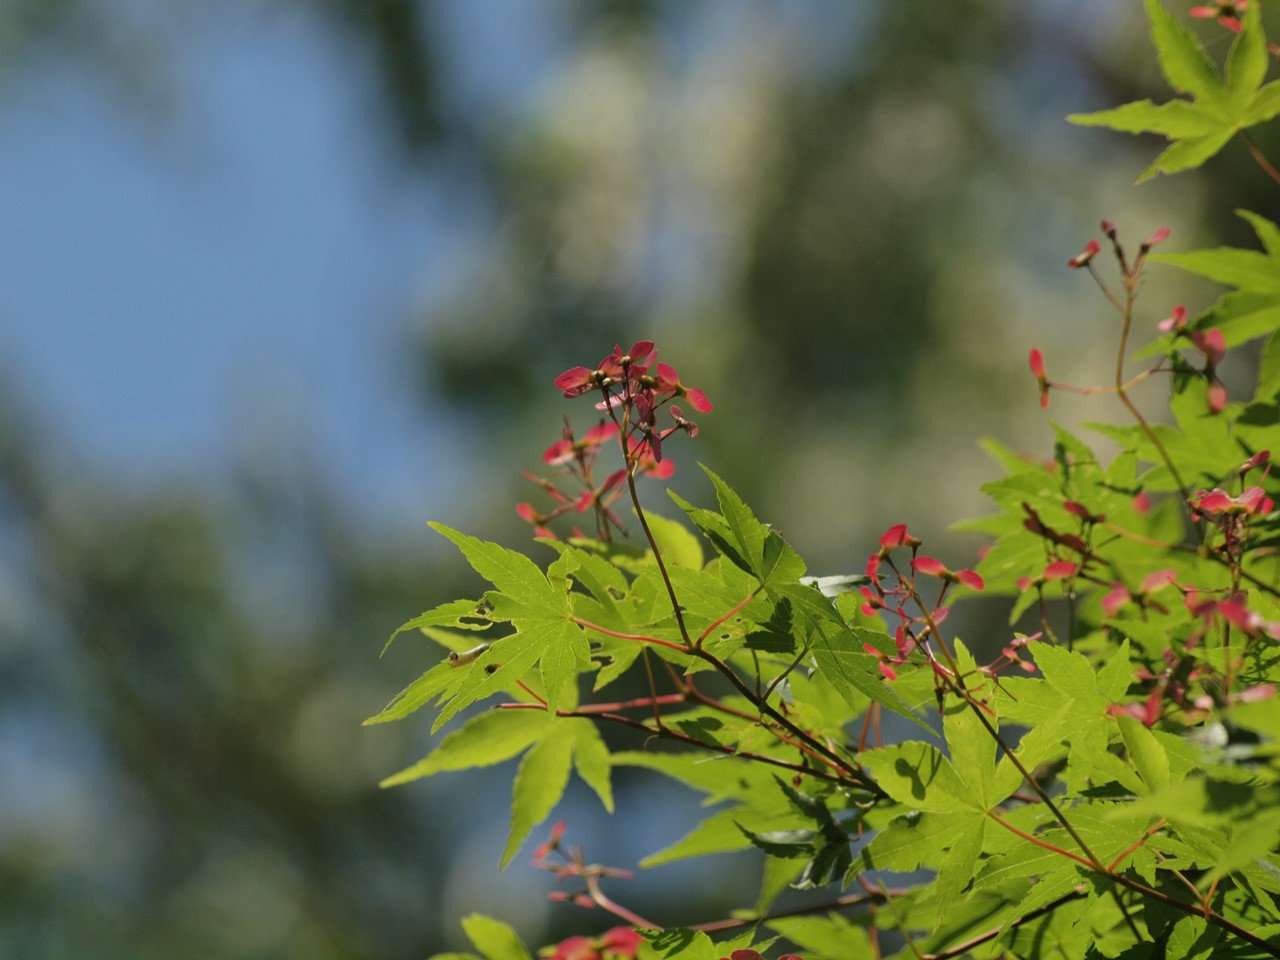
(669, 384)
(929, 565)
(935, 568)
(1157, 237)
(1216, 397)
(1159, 580)
(578, 381)
(1257, 460)
(897, 536)
(1059, 570)
(1081, 511)
(1035, 360)
(1211, 344)
(621, 941)
(1117, 598)
(1176, 322)
(1084, 256)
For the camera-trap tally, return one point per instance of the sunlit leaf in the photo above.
(485, 739)
(919, 776)
(493, 938)
(539, 784)
(1200, 127)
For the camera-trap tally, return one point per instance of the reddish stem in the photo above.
(542, 702)
(587, 624)
(1155, 827)
(617, 909)
(736, 607)
(597, 708)
(670, 734)
(850, 900)
(1040, 843)
(962, 948)
(1267, 167)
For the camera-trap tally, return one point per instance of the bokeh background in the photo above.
(281, 281)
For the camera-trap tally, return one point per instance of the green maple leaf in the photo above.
(493, 938)
(755, 803)
(1069, 706)
(1218, 108)
(1249, 311)
(538, 606)
(752, 546)
(550, 746)
(483, 740)
(963, 788)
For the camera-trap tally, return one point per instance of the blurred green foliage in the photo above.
(838, 218)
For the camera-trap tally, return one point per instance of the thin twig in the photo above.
(1267, 167)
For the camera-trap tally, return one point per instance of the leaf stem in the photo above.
(653, 690)
(828, 755)
(599, 898)
(657, 556)
(785, 673)
(736, 607)
(1137, 844)
(1031, 838)
(849, 900)
(590, 709)
(1270, 947)
(1267, 167)
(1106, 290)
(1122, 388)
(542, 701)
(962, 948)
(670, 734)
(587, 624)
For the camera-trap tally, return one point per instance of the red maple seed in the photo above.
(1084, 256)
(668, 384)
(1158, 237)
(1035, 360)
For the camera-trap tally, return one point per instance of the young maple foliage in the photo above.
(1108, 785)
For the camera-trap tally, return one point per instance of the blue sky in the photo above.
(237, 255)
(211, 243)
(245, 255)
